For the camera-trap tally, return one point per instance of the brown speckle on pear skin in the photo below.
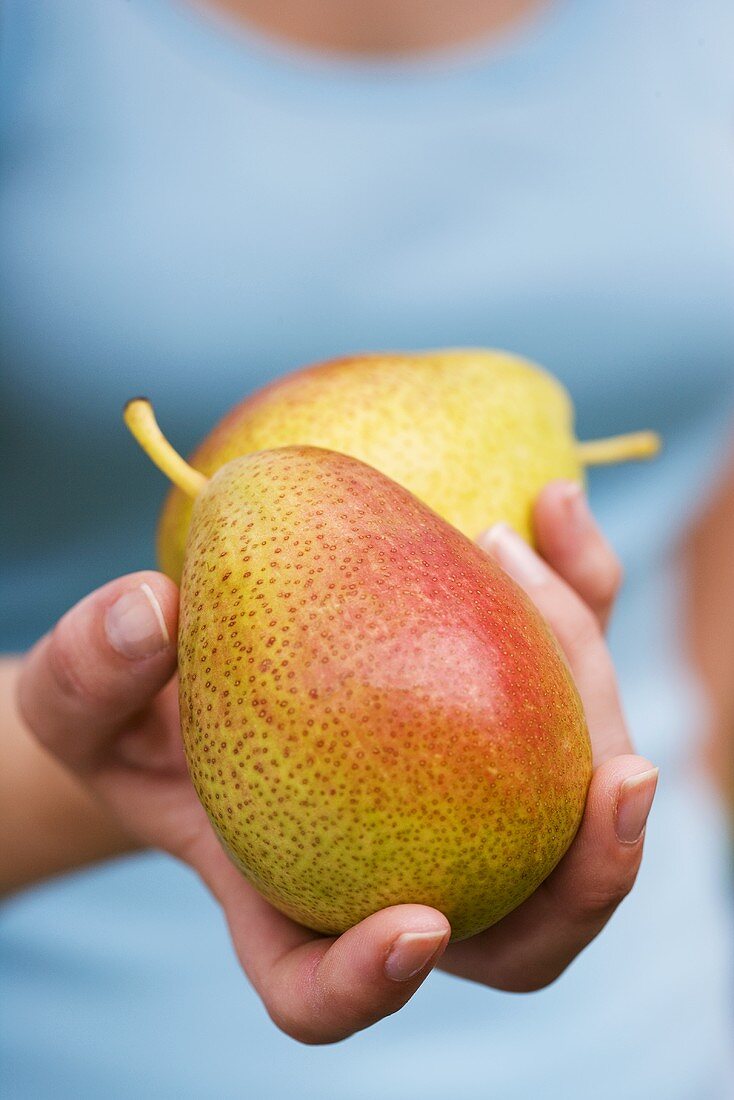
(381, 716)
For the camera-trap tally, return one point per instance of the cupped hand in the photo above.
(100, 694)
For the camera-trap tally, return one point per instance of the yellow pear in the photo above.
(473, 433)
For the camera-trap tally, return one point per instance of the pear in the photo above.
(474, 434)
(373, 712)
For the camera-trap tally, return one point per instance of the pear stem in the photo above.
(141, 421)
(619, 448)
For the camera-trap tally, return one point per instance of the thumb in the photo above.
(326, 989)
(99, 666)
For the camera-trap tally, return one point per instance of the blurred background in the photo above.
(200, 196)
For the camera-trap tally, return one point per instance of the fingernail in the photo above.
(633, 806)
(513, 554)
(577, 505)
(411, 953)
(135, 625)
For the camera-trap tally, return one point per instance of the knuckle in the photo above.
(533, 983)
(289, 1027)
(25, 699)
(598, 903)
(609, 580)
(299, 1029)
(72, 673)
(297, 1017)
(582, 628)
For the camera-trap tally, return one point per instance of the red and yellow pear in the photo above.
(372, 711)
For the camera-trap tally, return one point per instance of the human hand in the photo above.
(101, 695)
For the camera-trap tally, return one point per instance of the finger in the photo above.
(533, 945)
(322, 989)
(570, 540)
(325, 990)
(101, 664)
(579, 635)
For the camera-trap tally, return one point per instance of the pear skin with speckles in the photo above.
(373, 712)
(473, 433)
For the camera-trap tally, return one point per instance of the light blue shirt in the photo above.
(189, 211)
